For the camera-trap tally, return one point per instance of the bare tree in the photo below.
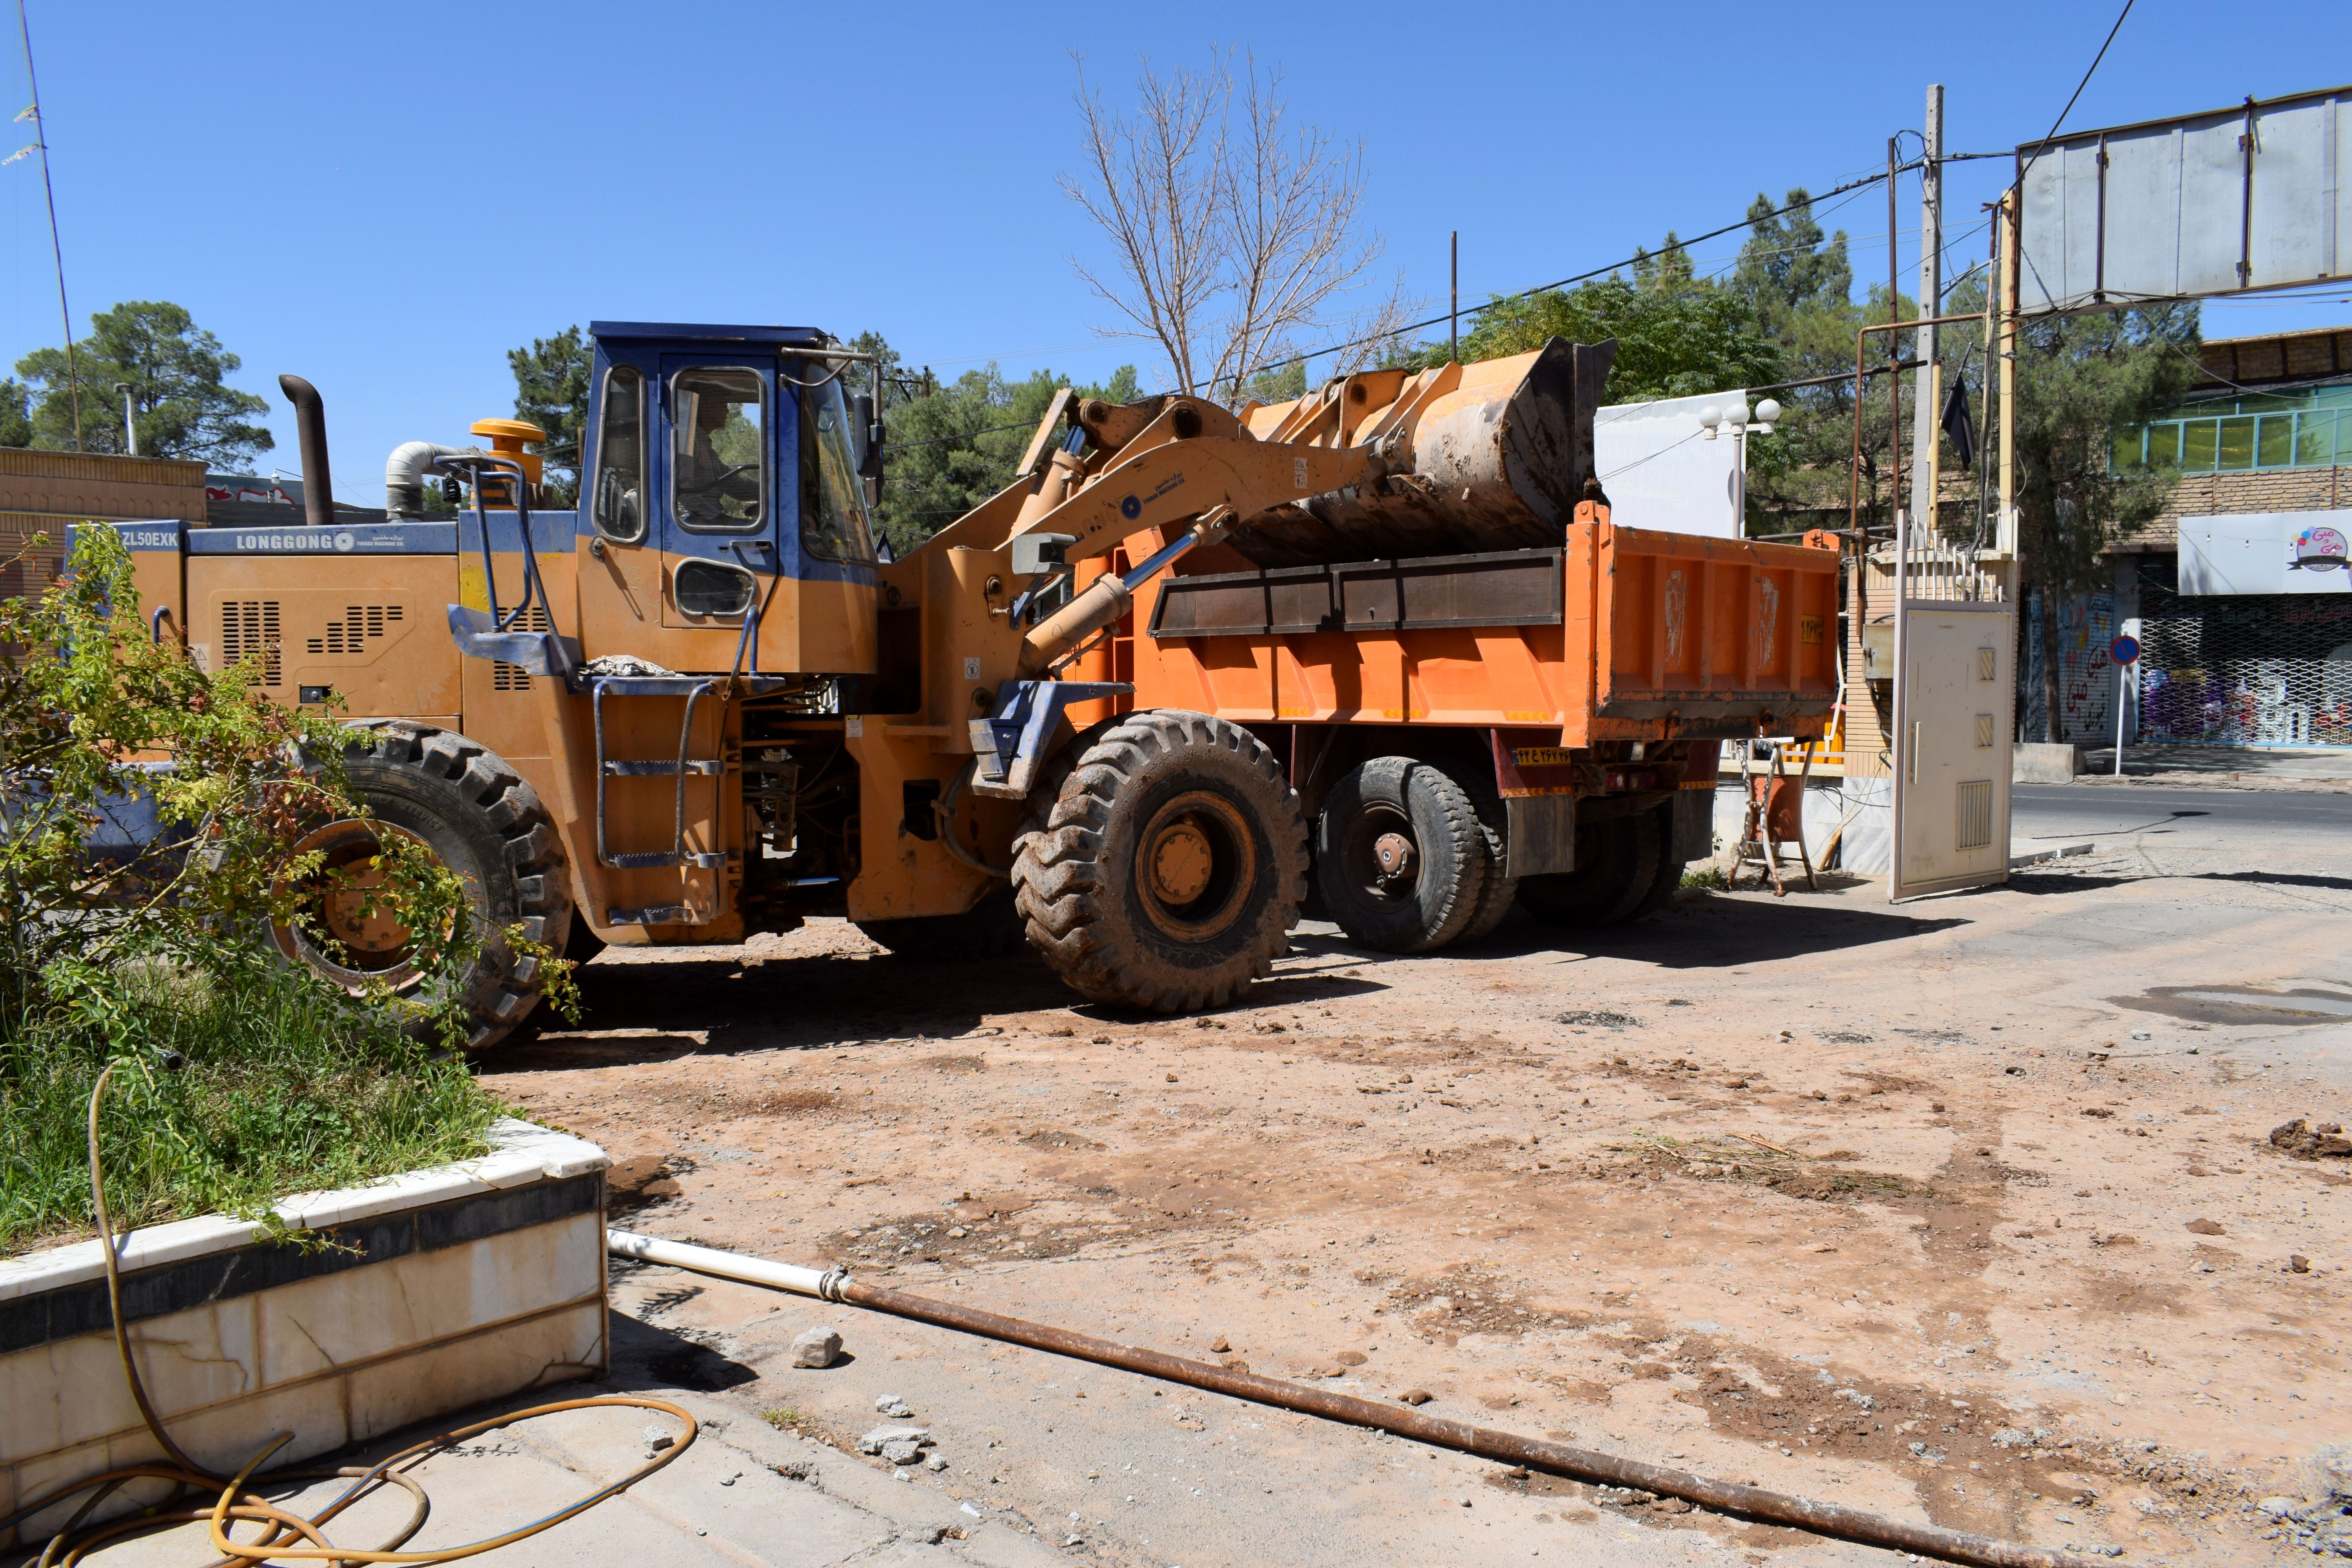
(1233, 229)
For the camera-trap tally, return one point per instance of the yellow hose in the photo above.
(71, 1544)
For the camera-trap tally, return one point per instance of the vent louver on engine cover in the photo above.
(514, 677)
(361, 624)
(249, 626)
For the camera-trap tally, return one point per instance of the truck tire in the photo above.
(990, 929)
(1400, 856)
(1617, 869)
(1169, 865)
(1669, 880)
(1497, 892)
(479, 817)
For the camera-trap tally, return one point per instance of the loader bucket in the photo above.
(1486, 456)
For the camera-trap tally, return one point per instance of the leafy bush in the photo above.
(163, 945)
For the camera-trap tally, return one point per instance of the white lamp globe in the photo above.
(1710, 417)
(1736, 414)
(1769, 411)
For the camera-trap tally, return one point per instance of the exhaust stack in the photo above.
(318, 480)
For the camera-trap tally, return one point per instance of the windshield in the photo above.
(833, 498)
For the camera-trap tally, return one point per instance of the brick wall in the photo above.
(44, 493)
(2221, 495)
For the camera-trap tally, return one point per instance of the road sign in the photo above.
(2123, 650)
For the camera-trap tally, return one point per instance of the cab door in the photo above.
(720, 483)
(620, 576)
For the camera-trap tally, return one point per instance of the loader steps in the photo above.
(708, 767)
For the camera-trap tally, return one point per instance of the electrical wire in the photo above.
(71, 1544)
(2044, 145)
(1683, 244)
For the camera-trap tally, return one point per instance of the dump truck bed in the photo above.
(1619, 634)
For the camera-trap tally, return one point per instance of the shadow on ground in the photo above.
(1715, 932)
(647, 1357)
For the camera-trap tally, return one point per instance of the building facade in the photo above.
(2239, 592)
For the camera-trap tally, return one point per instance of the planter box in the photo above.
(436, 1289)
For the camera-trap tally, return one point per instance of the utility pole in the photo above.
(1895, 368)
(130, 419)
(1926, 453)
(1453, 322)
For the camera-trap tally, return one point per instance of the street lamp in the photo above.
(130, 419)
(1736, 422)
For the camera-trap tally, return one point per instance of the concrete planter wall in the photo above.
(438, 1290)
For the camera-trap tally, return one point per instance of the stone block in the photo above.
(2037, 763)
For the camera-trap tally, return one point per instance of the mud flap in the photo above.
(1538, 835)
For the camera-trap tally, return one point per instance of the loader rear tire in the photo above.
(1617, 873)
(1169, 866)
(1400, 857)
(476, 813)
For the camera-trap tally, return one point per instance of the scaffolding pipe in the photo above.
(1579, 1464)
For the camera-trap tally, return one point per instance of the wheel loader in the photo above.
(1383, 647)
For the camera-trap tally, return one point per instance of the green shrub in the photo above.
(165, 949)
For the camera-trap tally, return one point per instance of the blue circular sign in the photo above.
(2124, 650)
(1130, 508)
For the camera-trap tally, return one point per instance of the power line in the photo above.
(1679, 244)
(2044, 145)
(967, 436)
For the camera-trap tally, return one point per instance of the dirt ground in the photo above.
(1966, 1210)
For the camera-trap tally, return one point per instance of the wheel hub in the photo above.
(1393, 854)
(1194, 864)
(1182, 863)
(350, 919)
(364, 942)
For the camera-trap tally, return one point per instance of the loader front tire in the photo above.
(1169, 866)
(476, 814)
(1617, 875)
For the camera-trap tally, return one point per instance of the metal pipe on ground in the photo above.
(1577, 1464)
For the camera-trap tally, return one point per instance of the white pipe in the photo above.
(821, 1283)
(404, 475)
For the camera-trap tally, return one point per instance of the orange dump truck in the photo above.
(1382, 649)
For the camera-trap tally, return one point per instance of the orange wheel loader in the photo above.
(1383, 646)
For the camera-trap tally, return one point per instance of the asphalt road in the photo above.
(2198, 819)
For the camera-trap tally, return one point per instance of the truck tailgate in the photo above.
(1724, 636)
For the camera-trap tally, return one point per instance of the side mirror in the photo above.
(869, 434)
(1034, 554)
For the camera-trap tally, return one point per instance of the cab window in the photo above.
(718, 426)
(619, 494)
(833, 498)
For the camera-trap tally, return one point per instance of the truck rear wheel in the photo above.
(1169, 866)
(1498, 892)
(1617, 871)
(484, 823)
(1400, 856)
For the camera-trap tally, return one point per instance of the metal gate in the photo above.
(1955, 652)
(2266, 670)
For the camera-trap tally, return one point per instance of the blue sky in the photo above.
(386, 199)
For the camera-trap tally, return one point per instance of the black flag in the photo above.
(1958, 429)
